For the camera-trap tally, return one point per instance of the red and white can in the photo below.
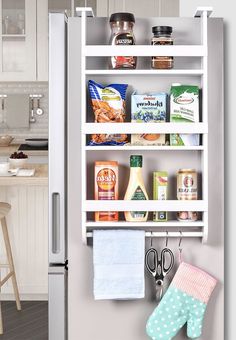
(187, 190)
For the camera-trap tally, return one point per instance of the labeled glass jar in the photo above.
(162, 36)
(122, 34)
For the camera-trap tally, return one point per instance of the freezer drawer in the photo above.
(57, 303)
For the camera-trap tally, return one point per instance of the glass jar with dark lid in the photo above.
(122, 34)
(162, 36)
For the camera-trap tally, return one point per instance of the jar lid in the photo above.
(136, 161)
(162, 29)
(186, 170)
(122, 16)
(114, 163)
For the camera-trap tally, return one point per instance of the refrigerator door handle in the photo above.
(55, 223)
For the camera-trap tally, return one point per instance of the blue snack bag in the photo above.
(108, 104)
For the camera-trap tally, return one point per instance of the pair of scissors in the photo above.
(159, 269)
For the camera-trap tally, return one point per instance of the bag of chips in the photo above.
(109, 107)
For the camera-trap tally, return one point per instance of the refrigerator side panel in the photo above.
(57, 303)
(57, 137)
(75, 252)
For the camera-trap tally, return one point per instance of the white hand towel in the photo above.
(118, 258)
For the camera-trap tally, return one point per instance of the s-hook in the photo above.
(166, 239)
(180, 248)
(151, 240)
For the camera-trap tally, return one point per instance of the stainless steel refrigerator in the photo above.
(73, 312)
(57, 179)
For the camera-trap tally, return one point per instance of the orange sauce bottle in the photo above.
(106, 187)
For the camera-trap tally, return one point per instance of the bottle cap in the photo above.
(162, 29)
(136, 161)
(122, 17)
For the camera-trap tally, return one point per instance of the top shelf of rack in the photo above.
(145, 50)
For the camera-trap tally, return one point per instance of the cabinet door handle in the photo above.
(55, 223)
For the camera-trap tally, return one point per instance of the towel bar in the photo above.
(164, 234)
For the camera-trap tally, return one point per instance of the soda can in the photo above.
(187, 190)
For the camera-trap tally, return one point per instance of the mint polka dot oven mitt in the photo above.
(184, 301)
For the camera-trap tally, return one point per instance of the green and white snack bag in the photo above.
(184, 108)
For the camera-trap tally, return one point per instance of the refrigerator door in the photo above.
(89, 319)
(57, 138)
(57, 303)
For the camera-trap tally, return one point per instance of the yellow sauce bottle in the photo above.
(136, 190)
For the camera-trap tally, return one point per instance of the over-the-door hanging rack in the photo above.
(87, 128)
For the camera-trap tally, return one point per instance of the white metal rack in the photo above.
(128, 147)
(146, 51)
(89, 128)
(170, 72)
(130, 128)
(164, 234)
(150, 205)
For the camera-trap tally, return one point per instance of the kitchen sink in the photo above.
(25, 147)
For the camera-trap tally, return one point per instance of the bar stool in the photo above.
(4, 209)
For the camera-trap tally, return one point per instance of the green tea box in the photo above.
(184, 108)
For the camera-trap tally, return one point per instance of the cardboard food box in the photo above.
(148, 108)
(184, 108)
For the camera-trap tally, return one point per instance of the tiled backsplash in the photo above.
(40, 127)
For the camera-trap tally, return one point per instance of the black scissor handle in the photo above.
(165, 251)
(152, 269)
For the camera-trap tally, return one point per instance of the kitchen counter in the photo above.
(39, 179)
(8, 150)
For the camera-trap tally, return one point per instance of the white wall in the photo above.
(225, 10)
(39, 129)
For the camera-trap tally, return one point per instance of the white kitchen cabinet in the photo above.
(24, 40)
(148, 8)
(42, 40)
(17, 40)
(59, 6)
(28, 229)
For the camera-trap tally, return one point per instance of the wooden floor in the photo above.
(31, 323)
